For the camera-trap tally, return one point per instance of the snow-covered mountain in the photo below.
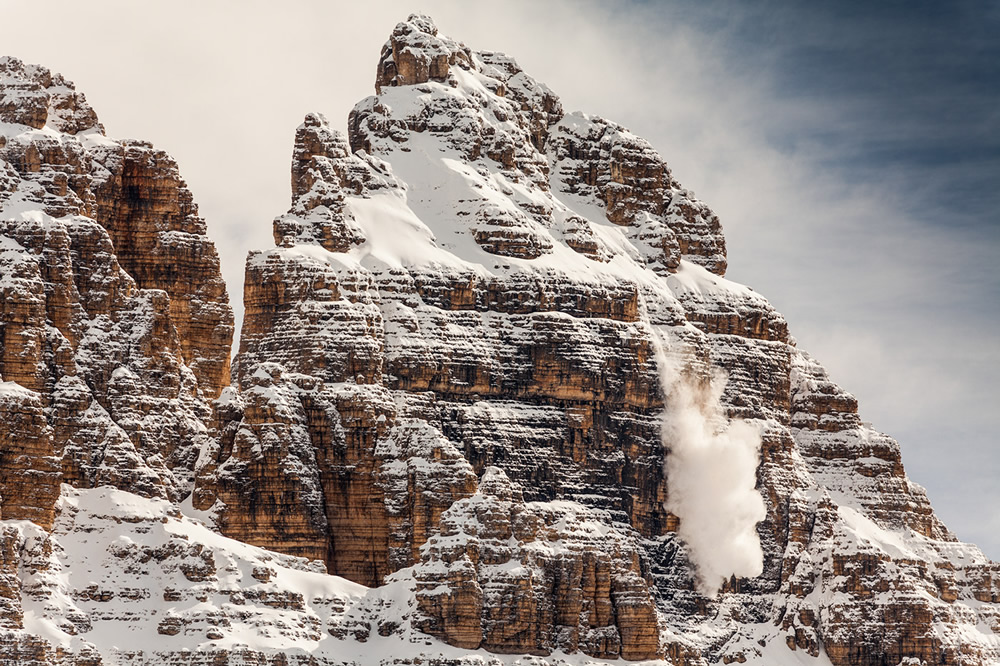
(495, 402)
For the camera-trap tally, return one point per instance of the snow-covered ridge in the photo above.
(448, 414)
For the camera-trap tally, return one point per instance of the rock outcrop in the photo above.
(521, 578)
(448, 407)
(115, 325)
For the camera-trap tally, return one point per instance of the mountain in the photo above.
(495, 402)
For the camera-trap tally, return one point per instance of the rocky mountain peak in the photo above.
(415, 53)
(34, 96)
(493, 393)
(486, 109)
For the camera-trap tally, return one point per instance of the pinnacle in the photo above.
(422, 22)
(415, 53)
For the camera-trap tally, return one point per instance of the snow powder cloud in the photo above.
(711, 470)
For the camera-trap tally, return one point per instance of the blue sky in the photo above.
(915, 86)
(852, 150)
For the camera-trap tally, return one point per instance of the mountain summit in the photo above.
(494, 401)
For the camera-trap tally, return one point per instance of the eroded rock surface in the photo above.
(449, 392)
(520, 578)
(472, 266)
(115, 328)
(113, 313)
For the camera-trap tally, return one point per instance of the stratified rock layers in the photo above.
(449, 389)
(115, 325)
(114, 319)
(474, 284)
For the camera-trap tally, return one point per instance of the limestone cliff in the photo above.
(473, 266)
(451, 391)
(115, 325)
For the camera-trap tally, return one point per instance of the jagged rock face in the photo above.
(29, 470)
(474, 282)
(335, 476)
(864, 569)
(520, 578)
(114, 321)
(600, 160)
(450, 388)
(114, 336)
(415, 53)
(162, 244)
(482, 337)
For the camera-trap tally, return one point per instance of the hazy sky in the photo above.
(852, 150)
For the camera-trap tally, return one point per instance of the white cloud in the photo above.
(711, 467)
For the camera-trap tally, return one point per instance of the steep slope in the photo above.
(491, 374)
(473, 279)
(115, 326)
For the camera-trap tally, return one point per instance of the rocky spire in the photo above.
(115, 325)
(416, 53)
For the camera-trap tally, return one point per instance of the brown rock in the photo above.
(416, 54)
(112, 308)
(529, 579)
(160, 241)
(29, 470)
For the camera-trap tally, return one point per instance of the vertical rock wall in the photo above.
(115, 325)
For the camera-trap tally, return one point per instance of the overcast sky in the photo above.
(852, 150)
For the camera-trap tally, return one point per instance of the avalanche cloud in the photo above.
(712, 471)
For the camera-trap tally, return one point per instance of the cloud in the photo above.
(879, 260)
(711, 466)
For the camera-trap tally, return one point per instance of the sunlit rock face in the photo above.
(452, 411)
(473, 281)
(115, 325)
(115, 330)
